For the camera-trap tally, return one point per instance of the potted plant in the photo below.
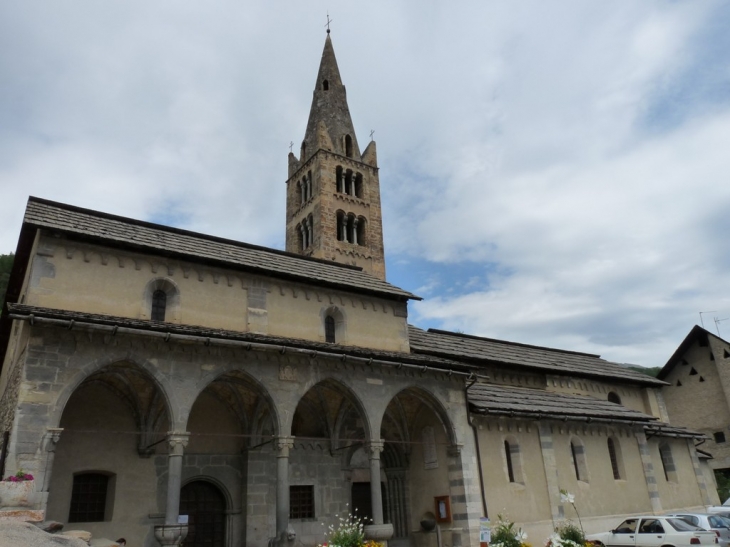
(17, 490)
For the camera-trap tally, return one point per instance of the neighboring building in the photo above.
(149, 372)
(698, 395)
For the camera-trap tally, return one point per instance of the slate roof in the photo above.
(149, 237)
(205, 332)
(508, 400)
(547, 360)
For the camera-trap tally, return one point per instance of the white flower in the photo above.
(555, 540)
(520, 535)
(567, 497)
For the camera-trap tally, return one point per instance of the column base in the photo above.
(378, 532)
(170, 534)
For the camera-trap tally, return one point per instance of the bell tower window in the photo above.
(329, 329)
(325, 85)
(348, 146)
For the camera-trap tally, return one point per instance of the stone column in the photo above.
(310, 225)
(352, 184)
(283, 446)
(177, 442)
(375, 448)
(305, 232)
(343, 225)
(341, 183)
(354, 231)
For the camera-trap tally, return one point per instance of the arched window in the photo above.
(329, 329)
(161, 301)
(358, 185)
(333, 325)
(325, 85)
(341, 226)
(513, 461)
(159, 305)
(361, 224)
(348, 146)
(577, 452)
(304, 150)
(614, 453)
(614, 398)
(665, 454)
(339, 180)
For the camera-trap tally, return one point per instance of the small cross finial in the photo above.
(291, 146)
(372, 132)
(328, 22)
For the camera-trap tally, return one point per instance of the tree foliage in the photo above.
(6, 264)
(650, 371)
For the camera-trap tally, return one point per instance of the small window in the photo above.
(577, 451)
(159, 305)
(348, 146)
(679, 383)
(665, 454)
(325, 85)
(513, 461)
(301, 502)
(89, 498)
(615, 457)
(725, 354)
(329, 329)
(508, 457)
(719, 436)
(692, 372)
(614, 398)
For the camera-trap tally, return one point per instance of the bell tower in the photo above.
(333, 191)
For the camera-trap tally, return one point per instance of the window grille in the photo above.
(88, 497)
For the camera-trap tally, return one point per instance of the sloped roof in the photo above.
(521, 402)
(509, 400)
(149, 237)
(696, 333)
(501, 352)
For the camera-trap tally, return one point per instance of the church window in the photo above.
(357, 182)
(348, 146)
(329, 329)
(341, 226)
(304, 149)
(719, 436)
(614, 454)
(325, 85)
(614, 398)
(577, 452)
(725, 354)
(301, 501)
(665, 454)
(512, 459)
(360, 229)
(339, 179)
(159, 305)
(89, 495)
(692, 372)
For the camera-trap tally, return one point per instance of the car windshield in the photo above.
(682, 525)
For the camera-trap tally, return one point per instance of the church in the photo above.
(177, 388)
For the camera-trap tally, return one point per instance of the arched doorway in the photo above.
(205, 506)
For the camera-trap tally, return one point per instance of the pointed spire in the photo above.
(329, 107)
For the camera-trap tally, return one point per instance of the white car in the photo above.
(654, 531)
(715, 523)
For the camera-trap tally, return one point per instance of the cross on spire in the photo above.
(328, 22)
(372, 132)
(291, 146)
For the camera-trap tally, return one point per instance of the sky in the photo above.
(552, 173)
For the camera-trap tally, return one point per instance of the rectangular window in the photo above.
(719, 437)
(301, 502)
(88, 498)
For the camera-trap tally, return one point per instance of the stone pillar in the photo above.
(52, 438)
(283, 446)
(310, 225)
(177, 442)
(305, 231)
(551, 472)
(343, 225)
(701, 484)
(354, 230)
(352, 184)
(649, 476)
(376, 494)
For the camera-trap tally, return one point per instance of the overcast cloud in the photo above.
(553, 173)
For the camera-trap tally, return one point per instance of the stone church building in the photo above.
(151, 373)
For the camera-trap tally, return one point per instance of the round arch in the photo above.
(428, 399)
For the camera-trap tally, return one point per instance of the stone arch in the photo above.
(219, 484)
(339, 409)
(159, 380)
(245, 397)
(429, 400)
(172, 293)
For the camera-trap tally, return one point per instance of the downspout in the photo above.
(476, 445)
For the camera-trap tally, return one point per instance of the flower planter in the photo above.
(378, 532)
(171, 534)
(16, 493)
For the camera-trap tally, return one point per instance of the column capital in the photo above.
(374, 448)
(177, 441)
(283, 445)
(53, 435)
